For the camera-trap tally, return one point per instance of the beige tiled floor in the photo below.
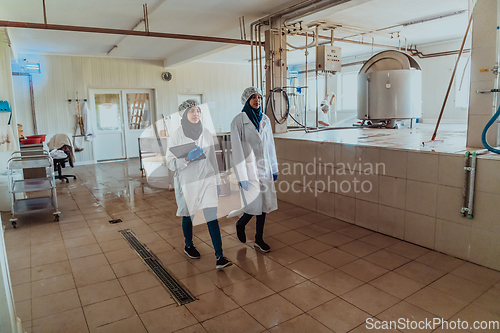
(322, 275)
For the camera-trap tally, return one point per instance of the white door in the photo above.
(140, 114)
(110, 141)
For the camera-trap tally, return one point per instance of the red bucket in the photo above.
(31, 141)
(41, 137)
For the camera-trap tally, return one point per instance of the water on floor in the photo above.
(322, 274)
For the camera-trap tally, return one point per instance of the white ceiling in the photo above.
(216, 18)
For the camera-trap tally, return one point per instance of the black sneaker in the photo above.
(240, 232)
(260, 245)
(223, 262)
(192, 252)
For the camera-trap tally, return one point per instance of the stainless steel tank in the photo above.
(390, 87)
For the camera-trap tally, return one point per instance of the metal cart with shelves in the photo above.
(20, 185)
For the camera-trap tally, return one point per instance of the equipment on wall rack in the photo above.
(79, 128)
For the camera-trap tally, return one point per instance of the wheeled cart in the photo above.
(21, 185)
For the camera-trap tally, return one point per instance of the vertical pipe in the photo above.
(251, 51)
(281, 66)
(241, 29)
(243, 24)
(257, 46)
(256, 56)
(147, 17)
(472, 180)
(44, 15)
(466, 184)
(32, 99)
(307, 89)
(317, 92)
(260, 60)
(332, 38)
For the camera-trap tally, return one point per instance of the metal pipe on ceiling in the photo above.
(421, 55)
(414, 22)
(352, 42)
(298, 10)
(73, 28)
(266, 19)
(155, 7)
(312, 8)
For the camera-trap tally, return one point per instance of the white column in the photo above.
(483, 59)
(275, 74)
(6, 86)
(8, 319)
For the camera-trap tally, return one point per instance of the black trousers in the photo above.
(259, 225)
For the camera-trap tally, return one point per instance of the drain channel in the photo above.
(179, 293)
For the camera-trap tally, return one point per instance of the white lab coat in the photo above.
(195, 182)
(323, 117)
(254, 158)
(87, 123)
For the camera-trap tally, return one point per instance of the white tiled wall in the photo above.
(417, 198)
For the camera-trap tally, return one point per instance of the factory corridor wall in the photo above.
(414, 196)
(62, 76)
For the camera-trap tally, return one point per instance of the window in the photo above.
(348, 91)
(311, 93)
(138, 110)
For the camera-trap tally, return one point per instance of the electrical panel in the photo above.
(328, 58)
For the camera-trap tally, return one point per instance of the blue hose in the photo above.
(488, 125)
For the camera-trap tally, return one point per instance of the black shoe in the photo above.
(223, 262)
(240, 232)
(261, 245)
(192, 252)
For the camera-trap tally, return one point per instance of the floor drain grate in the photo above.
(179, 293)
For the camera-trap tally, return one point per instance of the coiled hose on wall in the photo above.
(283, 92)
(488, 125)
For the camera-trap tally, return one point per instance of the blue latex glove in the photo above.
(195, 153)
(275, 176)
(218, 190)
(244, 185)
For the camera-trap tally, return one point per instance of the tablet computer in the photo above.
(182, 151)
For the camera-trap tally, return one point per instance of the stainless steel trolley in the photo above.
(18, 167)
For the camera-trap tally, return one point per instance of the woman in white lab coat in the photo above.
(323, 114)
(256, 166)
(196, 178)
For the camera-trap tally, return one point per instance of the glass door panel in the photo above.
(110, 141)
(139, 116)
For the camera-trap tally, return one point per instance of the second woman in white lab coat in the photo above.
(256, 166)
(196, 179)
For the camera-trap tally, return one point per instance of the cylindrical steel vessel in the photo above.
(390, 87)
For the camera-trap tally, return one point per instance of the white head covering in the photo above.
(187, 104)
(249, 92)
